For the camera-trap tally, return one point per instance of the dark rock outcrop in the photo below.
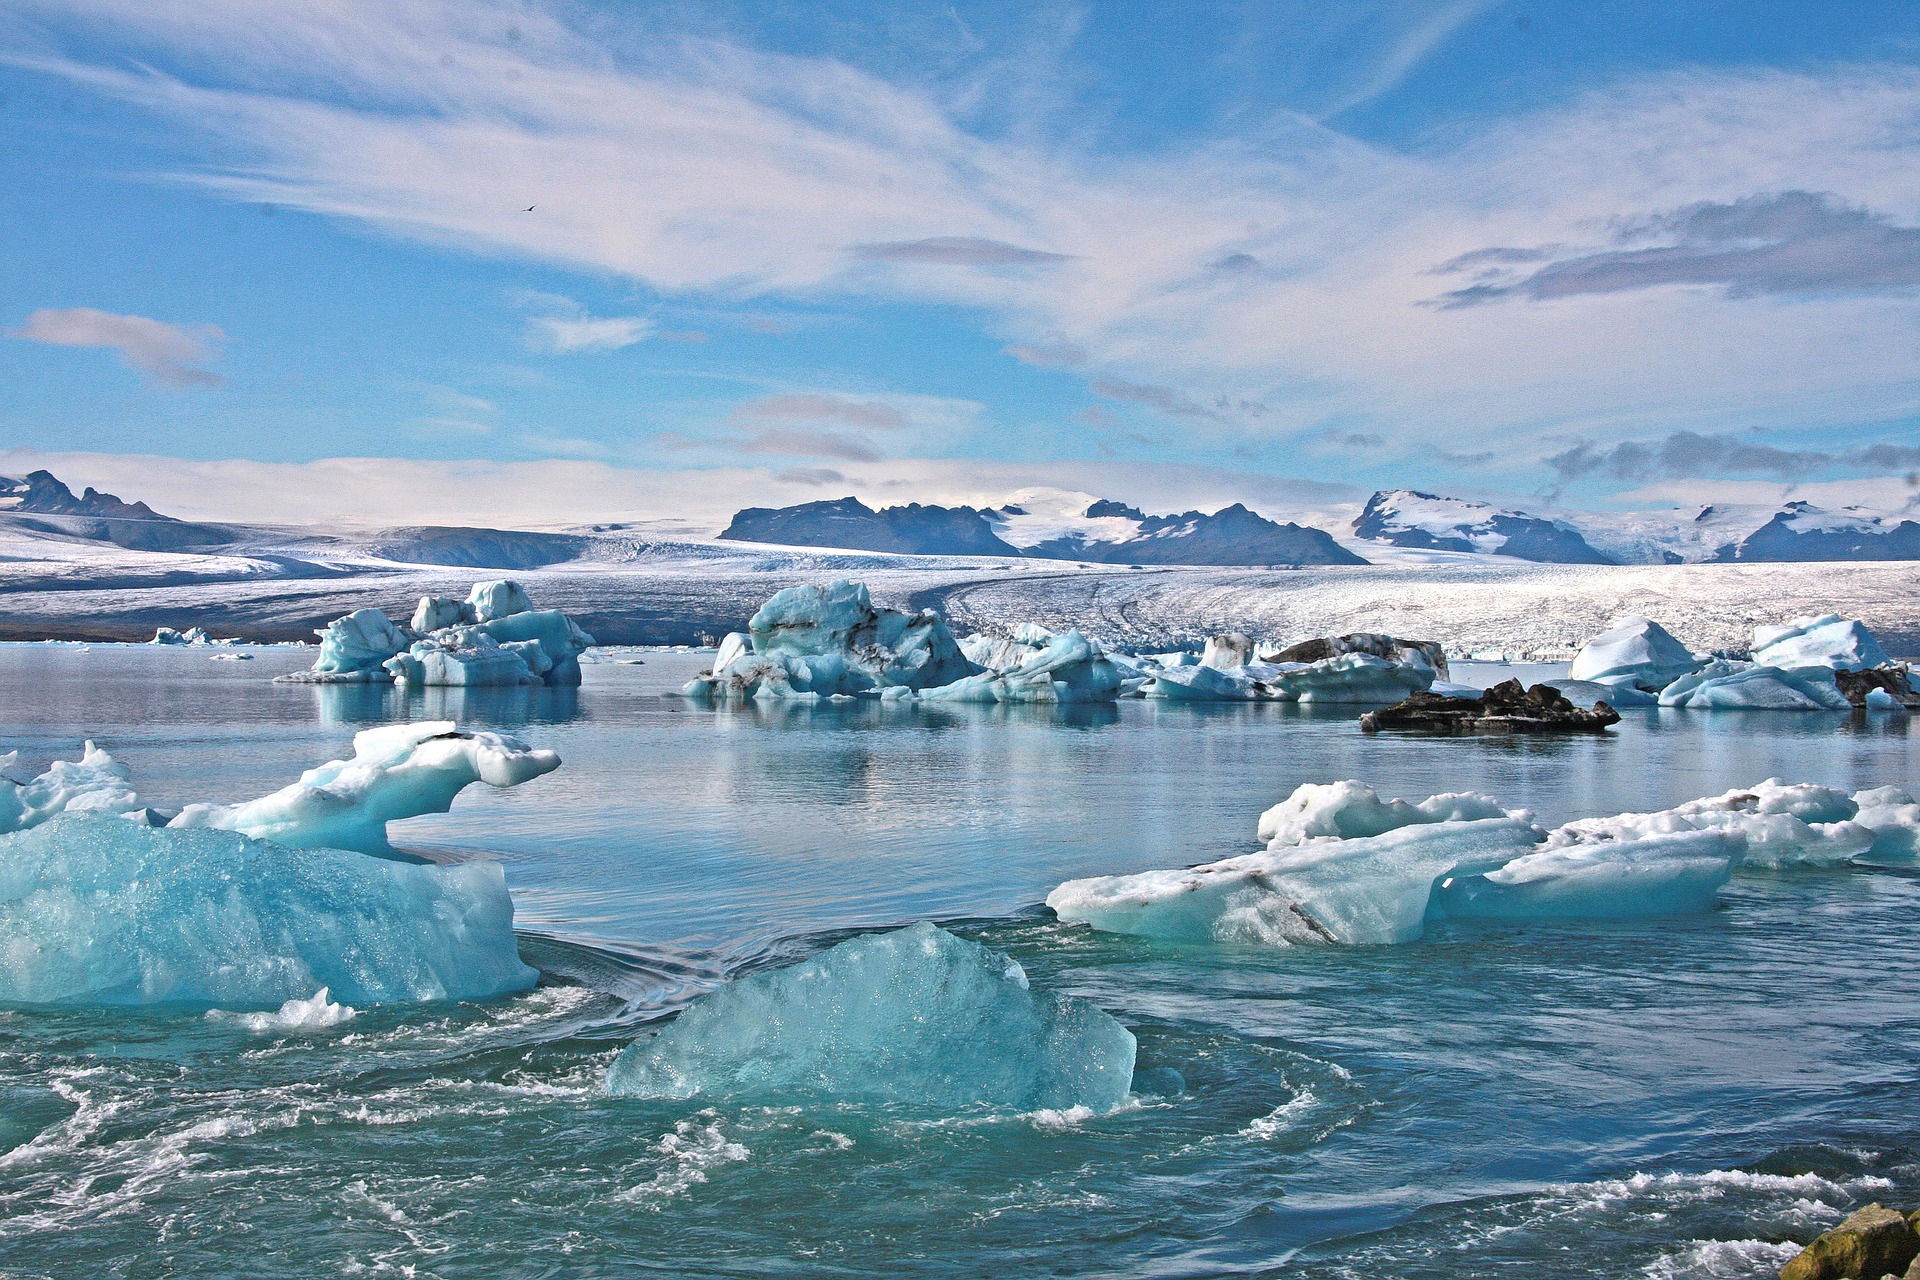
(850, 523)
(1868, 1244)
(1505, 708)
(1473, 526)
(1232, 536)
(1895, 678)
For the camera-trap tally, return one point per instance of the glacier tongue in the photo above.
(98, 910)
(916, 1017)
(397, 771)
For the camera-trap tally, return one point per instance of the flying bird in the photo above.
(528, 209)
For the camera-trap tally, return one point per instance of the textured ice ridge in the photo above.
(916, 1017)
(1343, 865)
(97, 910)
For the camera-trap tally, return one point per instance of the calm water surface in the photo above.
(1664, 1098)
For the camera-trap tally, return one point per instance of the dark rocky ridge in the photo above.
(1505, 708)
(851, 524)
(1778, 541)
(42, 502)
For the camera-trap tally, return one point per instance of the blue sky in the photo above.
(1624, 254)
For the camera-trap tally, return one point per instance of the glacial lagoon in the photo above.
(1677, 1096)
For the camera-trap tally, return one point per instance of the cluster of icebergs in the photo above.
(106, 901)
(493, 637)
(1794, 667)
(830, 643)
(1342, 865)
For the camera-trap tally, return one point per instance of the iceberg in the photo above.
(1358, 668)
(192, 636)
(830, 641)
(1351, 809)
(1069, 668)
(101, 911)
(493, 637)
(95, 783)
(1824, 640)
(916, 1017)
(1728, 685)
(397, 771)
(1666, 874)
(1634, 651)
(1783, 825)
(1584, 693)
(1351, 677)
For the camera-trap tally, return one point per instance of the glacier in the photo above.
(916, 1017)
(101, 911)
(1343, 865)
(493, 637)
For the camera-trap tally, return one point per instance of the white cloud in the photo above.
(562, 326)
(170, 354)
(701, 168)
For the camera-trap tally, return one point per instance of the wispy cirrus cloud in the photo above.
(563, 327)
(819, 407)
(172, 355)
(956, 251)
(1688, 454)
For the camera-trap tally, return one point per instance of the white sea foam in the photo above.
(317, 1013)
(696, 1146)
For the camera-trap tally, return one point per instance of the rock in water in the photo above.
(1868, 1244)
(1505, 708)
(102, 911)
(916, 1016)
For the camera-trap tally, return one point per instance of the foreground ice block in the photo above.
(917, 1017)
(95, 783)
(1635, 651)
(1740, 686)
(398, 771)
(1823, 640)
(97, 910)
(1667, 874)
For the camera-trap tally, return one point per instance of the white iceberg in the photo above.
(95, 783)
(1584, 693)
(1824, 640)
(1634, 651)
(1350, 809)
(191, 636)
(397, 771)
(916, 1017)
(98, 910)
(354, 647)
(830, 641)
(1666, 874)
(1351, 672)
(1728, 685)
(1351, 677)
(1783, 825)
(1225, 652)
(494, 637)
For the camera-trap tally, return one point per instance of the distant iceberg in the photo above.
(1724, 684)
(1823, 640)
(1636, 652)
(493, 637)
(1359, 668)
(1342, 865)
(100, 910)
(916, 1017)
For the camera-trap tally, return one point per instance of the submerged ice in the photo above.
(99, 910)
(1343, 865)
(916, 1017)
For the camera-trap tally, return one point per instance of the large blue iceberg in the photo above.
(493, 637)
(102, 910)
(916, 1017)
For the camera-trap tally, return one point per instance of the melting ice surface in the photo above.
(916, 1016)
(99, 910)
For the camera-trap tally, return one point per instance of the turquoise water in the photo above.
(1660, 1098)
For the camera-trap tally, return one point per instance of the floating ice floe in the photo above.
(1358, 668)
(818, 642)
(916, 1017)
(99, 910)
(192, 635)
(493, 637)
(1825, 640)
(316, 1013)
(398, 771)
(1342, 865)
(1726, 684)
(1635, 651)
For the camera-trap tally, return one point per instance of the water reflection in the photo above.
(501, 707)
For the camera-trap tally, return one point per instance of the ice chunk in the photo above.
(1881, 700)
(192, 635)
(1349, 809)
(1664, 874)
(1071, 668)
(1636, 651)
(1373, 889)
(435, 612)
(917, 1017)
(1204, 684)
(315, 1014)
(397, 771)
(462, 656)
(1350, 677)
(490, 600)
(829, 641)
(1225, 652)
(98, 910)
(95, 783)
(1623, 693)
(1784, 825)
(1825, 640)
(358, 644)
(1724, 685)
(737, 645)
(1893, 817)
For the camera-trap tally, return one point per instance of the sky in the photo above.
(581, 262)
